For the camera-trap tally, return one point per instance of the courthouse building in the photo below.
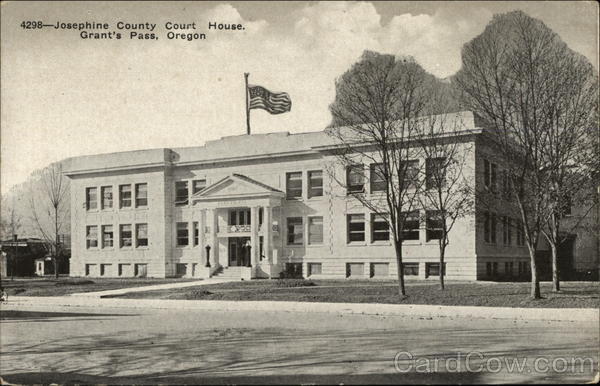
(253, 206)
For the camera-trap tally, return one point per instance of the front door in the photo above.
(238, 252)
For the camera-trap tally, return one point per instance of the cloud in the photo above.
(107, 96)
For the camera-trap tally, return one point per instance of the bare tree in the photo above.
(11, 221)
(10, 225)
(48, 201)
(448, 195)
(378, 105)
(511, 77)
(571, 155)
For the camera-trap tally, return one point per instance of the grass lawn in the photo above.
(572, 295)
(68, 285)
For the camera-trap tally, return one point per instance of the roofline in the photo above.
(462, 133)
(243, 158)
(116, 168)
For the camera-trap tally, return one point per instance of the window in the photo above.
(314, 268)
(489, 175)
(434, 224)
(355, 269)
(356, 227)
(239, 217)
(182, 234)
(293, 185)
(90, 270)
(506, 190)
(489, 227)
(411, 269)
(435, 173)
(315, 183)
(380, 229)
(107, 197)
(181, 269)
(355, 179)
(125, 196)
(196, 233)
(141, 195)
(379, 270)
(104, 269)
(493, 228)
(523, 268)
(410, 230)
(520, 234)
(126, 235)
(508, 268)
(140, 270)
(315, 230)
(141, 235)
(91, 198)
(125, 270)
(410, 173)
(506, 230)
(294, 231)
(377, 178)
(107, 236)
(198, 185)
(92, 237)
(433, 269)
(181, 193)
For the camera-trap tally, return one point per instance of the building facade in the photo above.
(256, 205)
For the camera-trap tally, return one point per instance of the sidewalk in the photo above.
(425, 311)
(121, 291)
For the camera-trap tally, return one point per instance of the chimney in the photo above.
(15, 237)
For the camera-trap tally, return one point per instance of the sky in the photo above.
(63, 96)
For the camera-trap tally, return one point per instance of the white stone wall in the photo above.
(466, 255)
(153, 255)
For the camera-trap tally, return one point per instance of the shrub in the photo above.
(289, 275)
(281, 282)
(197, 294)
(74, 282)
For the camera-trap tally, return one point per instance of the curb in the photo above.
(412, 310)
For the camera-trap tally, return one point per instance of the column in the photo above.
(254, 236)
(201, 236)
(268, 233)
(213, 240)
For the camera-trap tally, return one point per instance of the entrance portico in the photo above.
(238, 225)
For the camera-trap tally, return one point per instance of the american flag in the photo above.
(273, 102)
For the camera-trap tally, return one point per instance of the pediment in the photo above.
(236, 186)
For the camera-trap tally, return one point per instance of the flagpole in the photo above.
(247, 105)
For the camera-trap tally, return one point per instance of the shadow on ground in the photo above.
(172, 378)
(23, 316)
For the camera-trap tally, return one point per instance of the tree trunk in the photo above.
(442, 270)
(555, 272)
(401, 289)
(56, 240)
(535, 281)
(554, 247)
